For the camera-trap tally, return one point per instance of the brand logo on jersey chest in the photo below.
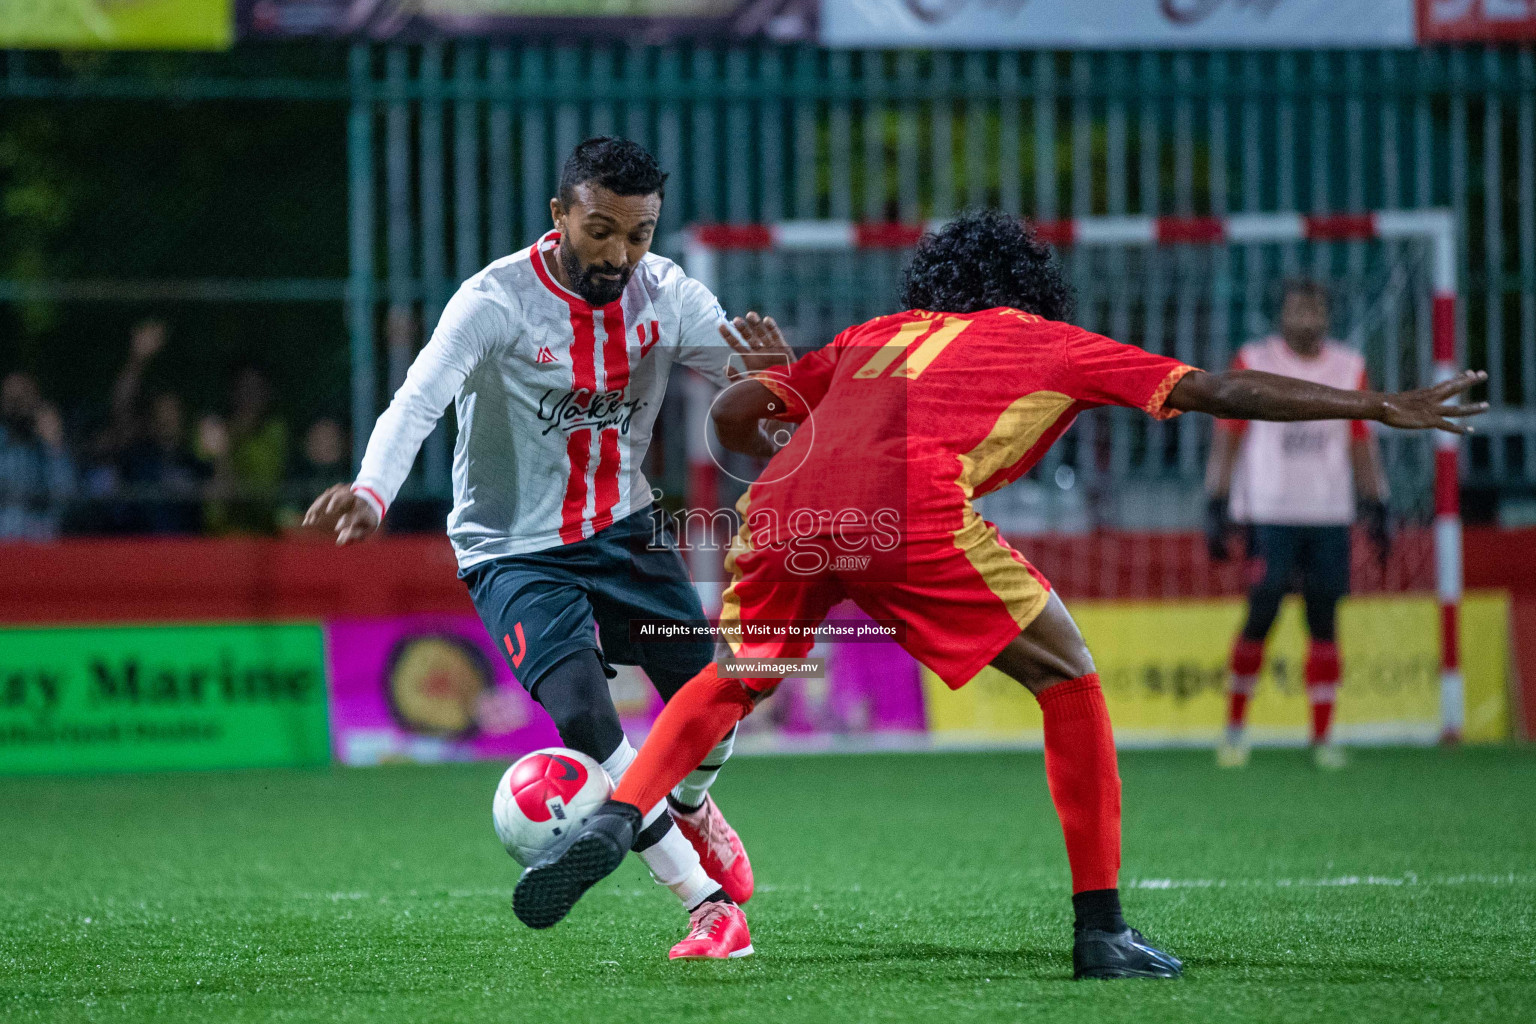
(546, 356)
(649, 335)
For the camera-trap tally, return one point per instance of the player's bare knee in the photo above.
(1050, 650)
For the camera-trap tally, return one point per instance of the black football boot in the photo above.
(1127, 954)
(549, 889)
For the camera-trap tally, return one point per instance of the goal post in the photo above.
(1199, 305)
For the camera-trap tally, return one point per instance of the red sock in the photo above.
(1237, 709)
(696, 718)
(1247, 659)
(1085, 783)
(1322, 675)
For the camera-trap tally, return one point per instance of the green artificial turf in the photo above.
(925, 888)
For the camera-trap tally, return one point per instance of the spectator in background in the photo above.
(36, 474)
(144, 459)
(325, 460)
(147, 341)
(163, 479)
(249, 453)
(325, 456)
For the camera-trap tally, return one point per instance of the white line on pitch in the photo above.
(1336, 881)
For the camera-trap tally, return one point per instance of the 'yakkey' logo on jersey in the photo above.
(575, 410)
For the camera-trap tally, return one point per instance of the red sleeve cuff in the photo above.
(1154, 406)
(371, 496)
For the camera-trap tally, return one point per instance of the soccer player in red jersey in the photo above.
(906, 419)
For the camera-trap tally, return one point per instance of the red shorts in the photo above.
(961, 598)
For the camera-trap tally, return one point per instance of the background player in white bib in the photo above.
(1296, 485)
(556, 359)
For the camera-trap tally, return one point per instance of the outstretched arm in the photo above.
(1255, 395)
(739, 411)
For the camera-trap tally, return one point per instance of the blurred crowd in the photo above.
(143, 467)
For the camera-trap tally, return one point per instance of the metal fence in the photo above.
(1199, 303)
(455, 151)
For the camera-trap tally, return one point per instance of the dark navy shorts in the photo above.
(1311, 559)
(544, 606)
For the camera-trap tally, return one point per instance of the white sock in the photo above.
(695, 786)
(619, 761)
(617, 764)
(673, 861)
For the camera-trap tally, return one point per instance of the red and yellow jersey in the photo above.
(908, 417)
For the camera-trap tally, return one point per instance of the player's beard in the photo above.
(596, 290)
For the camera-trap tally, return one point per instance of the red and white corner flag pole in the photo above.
(1448, 564)
(1440, 227)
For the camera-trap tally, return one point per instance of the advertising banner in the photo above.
(1116, 24)
(870, 698)
(646, 21)
(428, 688)
(149, 697)
(116, 24)
(1163, 668)
(1476, 21)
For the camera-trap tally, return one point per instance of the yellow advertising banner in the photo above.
(116, 24)
(1163, 668)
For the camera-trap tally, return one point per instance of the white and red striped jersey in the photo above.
(1297, 474)
(556, 400)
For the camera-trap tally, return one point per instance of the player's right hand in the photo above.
(759, 342)
(347, 514)
(1434, 407)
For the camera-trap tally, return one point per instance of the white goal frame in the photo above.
(702, 243)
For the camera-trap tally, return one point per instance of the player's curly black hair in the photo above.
(985, 259)
(619, 165)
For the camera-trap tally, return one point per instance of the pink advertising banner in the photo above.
(871, 697)
(426, 688)
(433, 688)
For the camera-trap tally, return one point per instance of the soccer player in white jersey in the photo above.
(1296, 485)
(557, 359)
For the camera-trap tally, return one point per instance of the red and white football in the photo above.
(543, 798)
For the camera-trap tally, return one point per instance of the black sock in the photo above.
(682, 808)
(653, 833)
(1098, 910)
(718, 896)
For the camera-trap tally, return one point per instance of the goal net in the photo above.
(1114, 509)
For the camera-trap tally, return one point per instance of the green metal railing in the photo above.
(456, 151)
(453, 151)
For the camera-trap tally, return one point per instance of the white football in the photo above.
(543, 798)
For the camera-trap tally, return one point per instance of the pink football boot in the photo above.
(717, 931)
(719, 847)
